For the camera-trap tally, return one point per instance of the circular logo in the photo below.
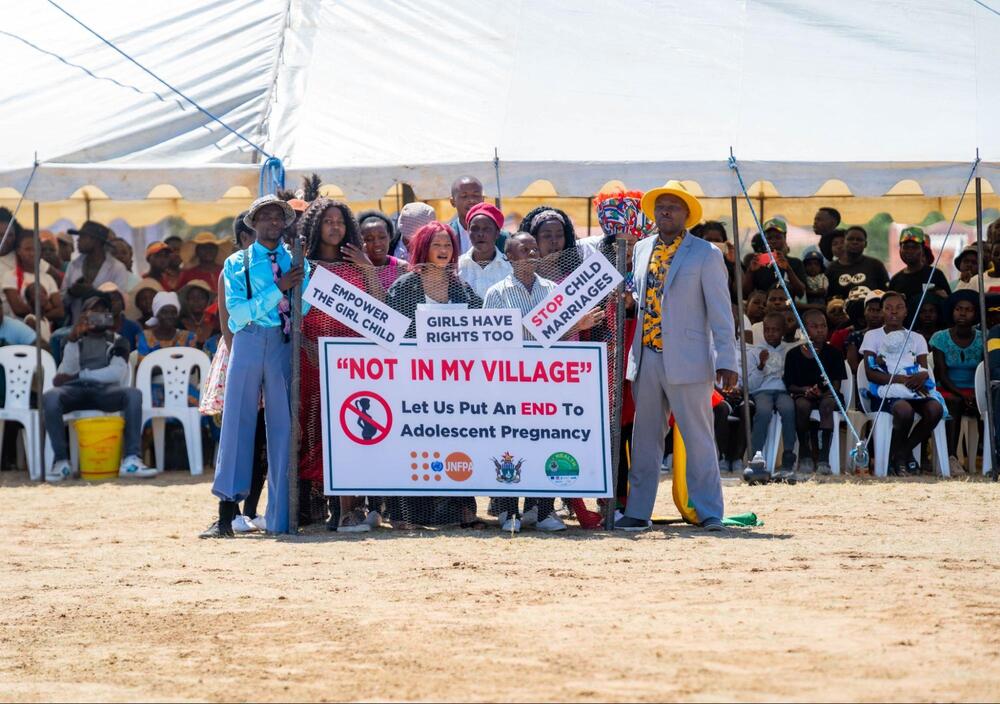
(458, 466)
(562, 469)
(437, 466)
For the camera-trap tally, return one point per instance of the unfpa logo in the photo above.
(428, 466)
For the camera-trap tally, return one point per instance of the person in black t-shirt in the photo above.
(854, 268)
(914, 250)
(825, 224)
(805, 383)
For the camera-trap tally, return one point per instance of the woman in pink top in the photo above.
(377, 233)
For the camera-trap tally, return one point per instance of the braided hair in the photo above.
(569, 231)
(311, 224)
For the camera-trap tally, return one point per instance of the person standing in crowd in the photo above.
(967, 265)
(958, 350)
(991, 279)
(203, 256)
(377, 234)
(158, 256)
(914, 250)
(816, 281)
(92, 268)
(897, 370)
(825, 224)
(810, 391)
(760, 273)
(16, 283)
(683, 342)
(257, 285)
(94, 375)
(523, 289)
(432, 279)
(855, 268)
(557, 244)
(483, 265)
(466, 192)
(195, 298)
(332, 242)
(411, 218)
(128, 329)
(765, 382)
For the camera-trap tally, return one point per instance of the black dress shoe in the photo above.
(213, 531)
(222, 528)
(631, 524)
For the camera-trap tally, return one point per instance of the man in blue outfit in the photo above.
(258, 282)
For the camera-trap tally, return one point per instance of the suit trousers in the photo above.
(260, 358)
(692, 408)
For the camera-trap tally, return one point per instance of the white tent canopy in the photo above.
(578, 92)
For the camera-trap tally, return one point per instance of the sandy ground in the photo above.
(852, 590)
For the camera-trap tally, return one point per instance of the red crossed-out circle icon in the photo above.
(360, 418)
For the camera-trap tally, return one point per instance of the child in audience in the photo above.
(756, 306)
(810, 391)
(765, 371)
(816, 280)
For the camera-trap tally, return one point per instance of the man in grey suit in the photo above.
(684, 341)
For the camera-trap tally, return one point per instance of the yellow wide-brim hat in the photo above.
(673, 188)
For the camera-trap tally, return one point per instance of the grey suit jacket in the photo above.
(698, 330)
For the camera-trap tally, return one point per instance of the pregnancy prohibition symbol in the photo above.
(365, 418)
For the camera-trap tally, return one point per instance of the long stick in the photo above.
(293, 446)
(39, 372)
(618, 385)
(739, 321)
(496, 171)
(988, 429)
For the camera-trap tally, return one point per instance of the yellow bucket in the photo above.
(100, 442)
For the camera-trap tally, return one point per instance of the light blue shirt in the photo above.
(262, 307)
(14, 332)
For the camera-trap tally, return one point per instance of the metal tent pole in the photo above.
(989, 429)
(39, 370)
(739, 322)
(618, 387)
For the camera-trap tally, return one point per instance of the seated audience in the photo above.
(142, 298)
(21, 300)
(162, 331)
(929, 315)
(195, 297)
(94, 375)
(760, 273)
(51, 263)
(854, 268)
(870, 318)
(958, 350)
(93, 267)
(765, 382)
(967, 266)
(810, 391)
(816, 279)
(776, 302)
(158, 257)
(755, 308)
(991, 281)
(896, 365)
(128, 329)
(122, 251)
(203, 256)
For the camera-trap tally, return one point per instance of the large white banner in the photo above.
(515, 422)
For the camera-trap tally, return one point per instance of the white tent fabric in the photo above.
(578, 92)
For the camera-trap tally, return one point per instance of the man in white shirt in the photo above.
(483, 265)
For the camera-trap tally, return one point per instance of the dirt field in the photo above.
(852, 590)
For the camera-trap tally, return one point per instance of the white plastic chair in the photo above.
(883, 432)
(774, 428)
(981, 404)
(176, 364)
(19, 365)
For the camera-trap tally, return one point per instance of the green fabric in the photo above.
(742, 520)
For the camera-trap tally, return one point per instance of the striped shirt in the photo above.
(511, 293)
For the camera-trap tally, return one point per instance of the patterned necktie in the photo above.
(283, 307)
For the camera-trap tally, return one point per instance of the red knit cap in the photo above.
(487, 209)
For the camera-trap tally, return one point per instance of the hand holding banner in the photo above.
(363, 314)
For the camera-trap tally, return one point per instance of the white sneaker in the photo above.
(242, 524)
(509, 525)
(58, 471)
(373, 519)
(132, 466)
(551, 524)
(530, 517)
(259, 522)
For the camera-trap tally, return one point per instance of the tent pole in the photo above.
(39, 373)
(618, 388)
(988, 428)
(733, 202)
(590, 211)
(293, 446)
